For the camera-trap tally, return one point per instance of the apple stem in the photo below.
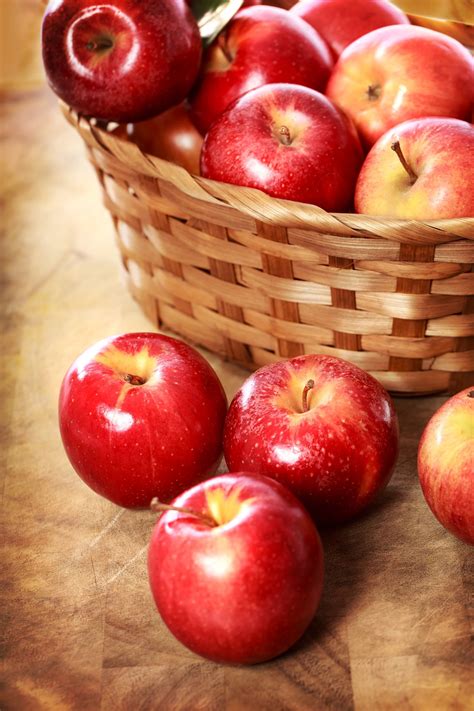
(159, 507)
(221, 43)
(398, 150)
(134, 379)
(285, 136)
(309, 386)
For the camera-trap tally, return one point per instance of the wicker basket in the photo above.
(257, 279)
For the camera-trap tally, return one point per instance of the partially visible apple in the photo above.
(261, 45)
(446, 465)
(340, 22)
(142, 415)
(240, 579)
(288, 141)
(321, 426)
(171, 136)
(120, 60)
(402, 72)
(421, 170)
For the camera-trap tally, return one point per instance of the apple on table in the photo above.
(236, 568)
(402, 72)
(261, 45)
(289, 141)
(446, 464)
(142, 415)
(123, 60)
(422, 170)
(319, 425)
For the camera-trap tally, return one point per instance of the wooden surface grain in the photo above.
(80, 628)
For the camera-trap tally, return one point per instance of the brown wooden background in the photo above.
(79, 627)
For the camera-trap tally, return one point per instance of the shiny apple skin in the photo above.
(440, 151)
(171, 136)
(245, 591)
(268, 45)
(319, 167)
(337, 456)
(446, 465)
(340, 22)
(152, 65)
(131, 443)
(420, 73)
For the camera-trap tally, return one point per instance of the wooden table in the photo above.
(81, 629)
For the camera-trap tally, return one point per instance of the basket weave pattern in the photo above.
(257, 279)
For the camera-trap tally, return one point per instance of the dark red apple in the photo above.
(240, 580)
(321, 426)
(340, 22)
(141, 415)
(446, 465)
(171, 136)
(261, 45)
(288, 141)
(120, 60)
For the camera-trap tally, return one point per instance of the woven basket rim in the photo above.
(260, 206)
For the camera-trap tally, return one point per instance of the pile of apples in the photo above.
(235, 561)
(343, 105)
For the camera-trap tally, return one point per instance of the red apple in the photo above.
(321, 426)
(171, 136)
(340, 22)
(288, 141)
(141, 415)
(261, 45)
(421, 170)
(120, 60)
(446, 465)
(240, 580)
(402, 72)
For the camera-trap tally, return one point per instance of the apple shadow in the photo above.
(349, 551)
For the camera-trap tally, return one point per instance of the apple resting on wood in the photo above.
(321, 426)
(399, 73)
(142, 415)
(236, 570)
(421, 170)
(261, 45)
(120, 60)
(289, 141)
(446, 465)
(340, 22)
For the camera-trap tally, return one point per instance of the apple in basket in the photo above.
(446, 465)
(340, 22)
(288, 141)
(171, 136)
(321, 426)
(122, 60)
(142, 415)
(422, 169)
(261, 45)
(397, 73)
(236, 570)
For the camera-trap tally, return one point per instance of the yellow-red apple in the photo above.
(402, 72)
(422, 170)
(446, 465)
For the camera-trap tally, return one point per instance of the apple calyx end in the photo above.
(284, 135)
(101, 44)
(396, 148)
(471, 393)
(304, 397)
(134, 379)
(159, 507)
(373, 92)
